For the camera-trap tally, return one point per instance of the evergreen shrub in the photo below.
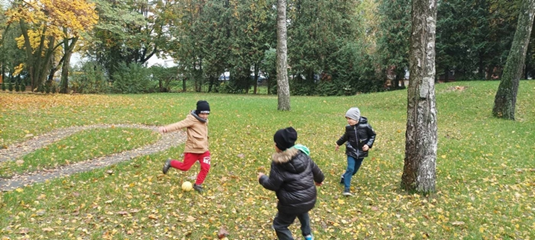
(90, 79)
(133, 78)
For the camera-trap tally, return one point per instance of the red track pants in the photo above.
(190, 159)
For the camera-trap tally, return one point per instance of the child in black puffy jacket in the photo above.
(293, 177)
(359, 137)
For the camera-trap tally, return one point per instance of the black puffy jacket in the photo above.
(292, 177)
(356, 137)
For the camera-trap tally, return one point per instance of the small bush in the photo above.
(330, 88)
(3, 86)
(91, 79)
(133, 78)
(164, 76)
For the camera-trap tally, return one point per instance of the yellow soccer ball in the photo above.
(187, 186)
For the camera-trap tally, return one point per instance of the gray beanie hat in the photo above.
(353, 113)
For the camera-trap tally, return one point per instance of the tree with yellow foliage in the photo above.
(50, 29)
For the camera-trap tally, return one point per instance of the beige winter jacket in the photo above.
(197, 130)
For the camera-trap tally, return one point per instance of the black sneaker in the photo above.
(166, 166)
(197, 188)
(342, 180)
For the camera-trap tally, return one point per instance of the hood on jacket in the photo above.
(290, 160)
(363, 120)
(197, 116)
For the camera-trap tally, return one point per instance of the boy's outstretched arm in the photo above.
(176, 126)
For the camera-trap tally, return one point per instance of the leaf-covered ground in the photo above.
(485, 169)
(58, 153)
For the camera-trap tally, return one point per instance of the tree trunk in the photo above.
(29, 55)
(184, 78)
(211, 82)
(255, 79)
(68, 48)
(505, 99)
(64, 83)
(481, 72)
(46, 63)
(38, 60)
(2, 74)
(400, 77)
(50, 77)
(283, 87)
(419, 172)
(200, 76)
(3, 64)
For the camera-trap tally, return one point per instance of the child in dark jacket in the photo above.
(293, 177)
(359, 137)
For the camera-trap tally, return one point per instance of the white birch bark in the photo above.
(283, 87)
(419, 173)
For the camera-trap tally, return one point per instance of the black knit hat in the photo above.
(285, 138)
(202, 107)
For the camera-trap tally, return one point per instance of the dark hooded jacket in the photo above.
(356, 137)
(292, 177)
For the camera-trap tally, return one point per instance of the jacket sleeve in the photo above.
(371, 134)
(272, 182)
(342, 139)
(179, 125)
(318, 174)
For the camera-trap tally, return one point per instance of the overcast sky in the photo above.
(167, 62)
(4, 3)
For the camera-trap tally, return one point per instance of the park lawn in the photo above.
(485, 169)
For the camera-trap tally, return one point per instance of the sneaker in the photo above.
(197, 188)
(347, 193)
(309, 237)
(342, 179)
(166, 166)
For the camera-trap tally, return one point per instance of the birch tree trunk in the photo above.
(505, 99)
(283, 87)
(419, 172)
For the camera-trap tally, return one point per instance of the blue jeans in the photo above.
(283, 220)
(352, 168)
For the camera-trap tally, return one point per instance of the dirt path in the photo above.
(16, 151)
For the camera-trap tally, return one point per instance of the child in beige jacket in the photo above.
(196, 149)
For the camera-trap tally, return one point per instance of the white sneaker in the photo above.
(347, 193)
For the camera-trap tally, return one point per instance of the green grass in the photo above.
(485, 169)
